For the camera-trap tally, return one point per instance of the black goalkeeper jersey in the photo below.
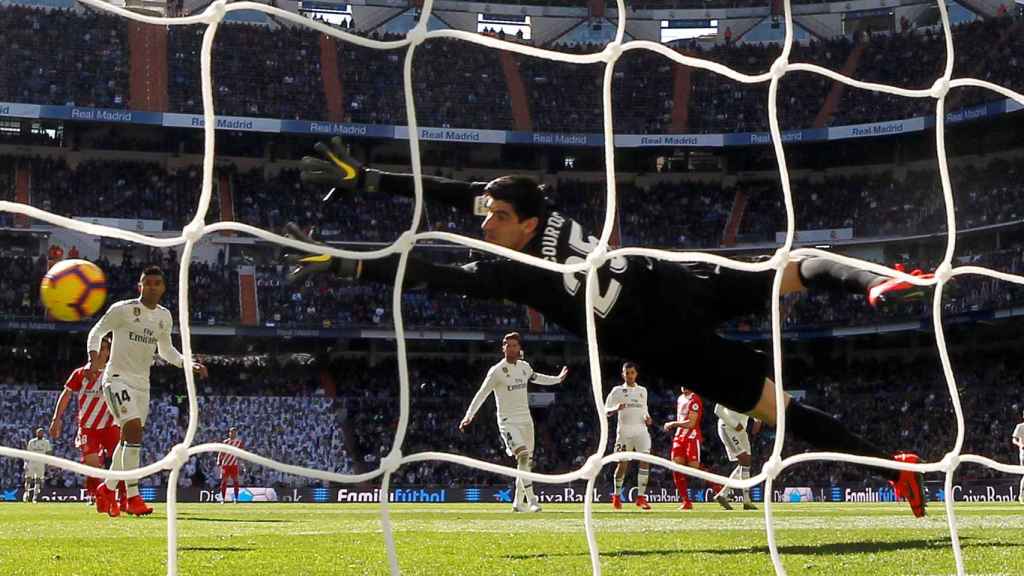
(625, 284)
(660, 314)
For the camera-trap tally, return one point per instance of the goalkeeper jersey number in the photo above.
(624, 283)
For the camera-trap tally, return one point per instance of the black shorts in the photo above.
(706, 295)
(682, 344)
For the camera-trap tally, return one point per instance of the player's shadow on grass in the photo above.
(865, 547)
(191, 518)
(824, 549)
(215, 549)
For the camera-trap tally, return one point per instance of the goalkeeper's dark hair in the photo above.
(528, 198)
(152, 271)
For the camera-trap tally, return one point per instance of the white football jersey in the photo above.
(509, 383)
(1018, 433)
(39, 445)
(730, 418)
(634, 408)
(138, 333)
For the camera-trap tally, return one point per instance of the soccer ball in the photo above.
(73, 290)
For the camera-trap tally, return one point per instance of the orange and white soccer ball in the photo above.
(73, 290)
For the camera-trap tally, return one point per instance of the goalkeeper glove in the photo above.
(303, 264)
(335, 168)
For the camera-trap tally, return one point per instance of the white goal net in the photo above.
(214, 14)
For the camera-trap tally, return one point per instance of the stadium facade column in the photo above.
(248, 301)
(334, 90)
(517, 91)
(226, 195)
(681, 87)
(732, 225)
(147, 46)
(835, 95)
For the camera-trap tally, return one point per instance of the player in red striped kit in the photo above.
(229, 465)
(687, 440)
(98, 433)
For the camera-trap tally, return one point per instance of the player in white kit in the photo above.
(732, 430)
(508, 380)
(35, 472)
(140, 327)
(1018, 441)
(629, 401)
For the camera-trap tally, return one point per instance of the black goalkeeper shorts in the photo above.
(683, 344)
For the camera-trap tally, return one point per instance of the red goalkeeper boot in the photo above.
(910, 485)
(106, 501)
(896, 290)
(616, 502)
(688, 505)
(641, 503)
(137, 506)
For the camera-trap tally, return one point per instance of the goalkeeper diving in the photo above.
(662, 315)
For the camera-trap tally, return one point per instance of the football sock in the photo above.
(825, 433)
(618, 485)
(821, 273)
(91, 484)
(236, 492)
(680, 479)
(641, 480)
(726, 490)
(523, 463)
(130, 457)
(115, 464)
(745, 475)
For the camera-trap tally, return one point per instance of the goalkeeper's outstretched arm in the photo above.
(343, 173)
(488, 279)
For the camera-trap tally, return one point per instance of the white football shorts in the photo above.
(35, 470)
(516, 434)
(127, 398)
(736, 443)
(638, 442)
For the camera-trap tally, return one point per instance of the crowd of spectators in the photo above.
(663, 214)
(213, 287)
(324, 302)
(283, 413)
(83, 60)
(299, 430)
(257, 71)
(460, 84)
(118, 189)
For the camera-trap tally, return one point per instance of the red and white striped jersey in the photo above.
(92, 407)
(225, 459)
(685, 405)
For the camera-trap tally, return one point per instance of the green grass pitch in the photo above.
(341, 539)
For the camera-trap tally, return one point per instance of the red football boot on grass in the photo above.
(137, 507)
(910, 485)
(106, 501)
(616, 502)
(641, 503)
